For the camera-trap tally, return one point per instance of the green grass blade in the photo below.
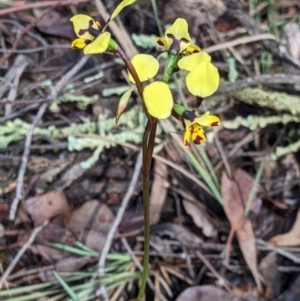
(206, 177)
(254, 187)
(207, 161)
(66, 287)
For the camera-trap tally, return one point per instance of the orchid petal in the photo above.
(203, 80)
(193, 49)
(119, 8)
(146, 67)
(179, 32)
(162, 42)
(81, 25)
(189, 62)
(187, 137)
(158, 99)
(207, 120)
(79, 43)
(198, 135)
(99, 45)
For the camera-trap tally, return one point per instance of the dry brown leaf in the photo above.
(291, 238)
(69, 176)
(199, 218)
(178, 232)
(158, 191)
(235, 193)
(53, 24)
(54, 232)
(91, 223)
(22, 216)
(45, 206)
(269, 269)
(206, 293)
(291, 32)
(197, 11)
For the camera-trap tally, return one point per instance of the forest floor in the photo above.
(225, 219)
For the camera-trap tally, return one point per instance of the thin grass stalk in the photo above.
(206, 177)
(254, 187)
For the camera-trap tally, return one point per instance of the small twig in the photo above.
(280, 251)
(22, 251)
(17, 102)
(221, 280)
(223, 156)
(14, 9)
(41, 111)
(137, 263)
(20, 112)
(36, 49)
(114, 227)
(21, 173)
(240, 41)
(266, 79)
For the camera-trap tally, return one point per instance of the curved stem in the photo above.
(135, 76)
(132, 71)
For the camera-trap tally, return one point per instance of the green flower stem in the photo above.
(148, 146)
(170, 66)
(112, 45)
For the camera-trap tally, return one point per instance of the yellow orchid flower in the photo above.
(157, 95)
(194, 126)
(177, 38)
(92, 38)
(203, 77)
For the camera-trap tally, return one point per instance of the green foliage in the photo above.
(233, 73)
(4, 3)
(274, 100)
(253, 122)
(144, 41)
(96, 135)
(66, 287)
(115, 90)
(116, 273)
(81, 101)
(284, 150)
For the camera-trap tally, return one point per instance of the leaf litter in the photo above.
(81, 200)
(235, 193)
